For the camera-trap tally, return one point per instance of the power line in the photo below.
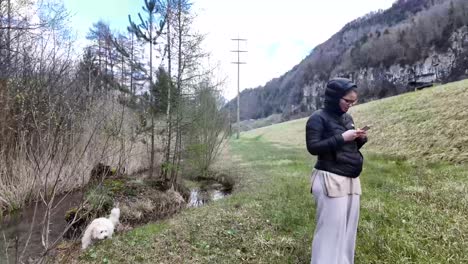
(238, 62)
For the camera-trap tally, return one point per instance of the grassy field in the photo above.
(414, 205)
(428, 125)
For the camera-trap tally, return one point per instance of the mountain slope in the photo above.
(386, 53)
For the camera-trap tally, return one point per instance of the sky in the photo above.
(279, 33)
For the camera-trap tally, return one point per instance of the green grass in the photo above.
(412, 211)
(266, 221)
(141, 238)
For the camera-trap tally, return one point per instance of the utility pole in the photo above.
(238, 62)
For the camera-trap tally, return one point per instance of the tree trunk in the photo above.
(151, 170)
(179, 87)
(168, 110)
(131, 67)
(8, 36)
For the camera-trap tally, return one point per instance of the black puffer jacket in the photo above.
(323, 134)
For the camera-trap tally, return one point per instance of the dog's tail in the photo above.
(114, 216)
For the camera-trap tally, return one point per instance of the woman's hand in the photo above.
(362, 134)
(350, 135)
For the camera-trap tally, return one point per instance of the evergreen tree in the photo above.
(149, 30)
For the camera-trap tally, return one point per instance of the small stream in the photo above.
(199, 198)
(15, 228)
(209, 191)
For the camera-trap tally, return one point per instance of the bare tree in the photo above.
(54, 131)
(186, 45)
(209, 128)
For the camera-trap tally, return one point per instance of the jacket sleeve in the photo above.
(360, 142)
(315, 144)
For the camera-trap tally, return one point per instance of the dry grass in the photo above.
(27, 179)
(109, 139)
(429, 124)
(289, 133)
(150, 205)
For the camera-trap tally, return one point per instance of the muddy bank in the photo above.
(140, 200)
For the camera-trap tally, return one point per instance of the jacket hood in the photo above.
(336, 89)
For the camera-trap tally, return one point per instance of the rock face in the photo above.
(437, 67)
(391, 59)
(443, 67)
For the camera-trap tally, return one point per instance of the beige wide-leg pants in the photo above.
(337, 220)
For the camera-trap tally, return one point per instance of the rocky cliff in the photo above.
(411, 45)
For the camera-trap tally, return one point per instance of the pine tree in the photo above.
(150, 30)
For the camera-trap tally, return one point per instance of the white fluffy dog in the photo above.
(100, 228)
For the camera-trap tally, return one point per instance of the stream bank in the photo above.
(140, 200)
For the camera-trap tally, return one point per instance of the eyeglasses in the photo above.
(349, 102)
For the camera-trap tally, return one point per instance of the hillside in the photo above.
(423, 125)
(386, 53)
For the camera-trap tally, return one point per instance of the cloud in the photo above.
(280, 33)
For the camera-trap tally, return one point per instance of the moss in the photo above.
(70, 214)
(100, 199)
(226, 180)
(130, 191)
(191, 184)
(158, 184)
(114, 185)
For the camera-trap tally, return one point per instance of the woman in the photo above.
(331, 135)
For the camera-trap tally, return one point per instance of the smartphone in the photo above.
(365, 128)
